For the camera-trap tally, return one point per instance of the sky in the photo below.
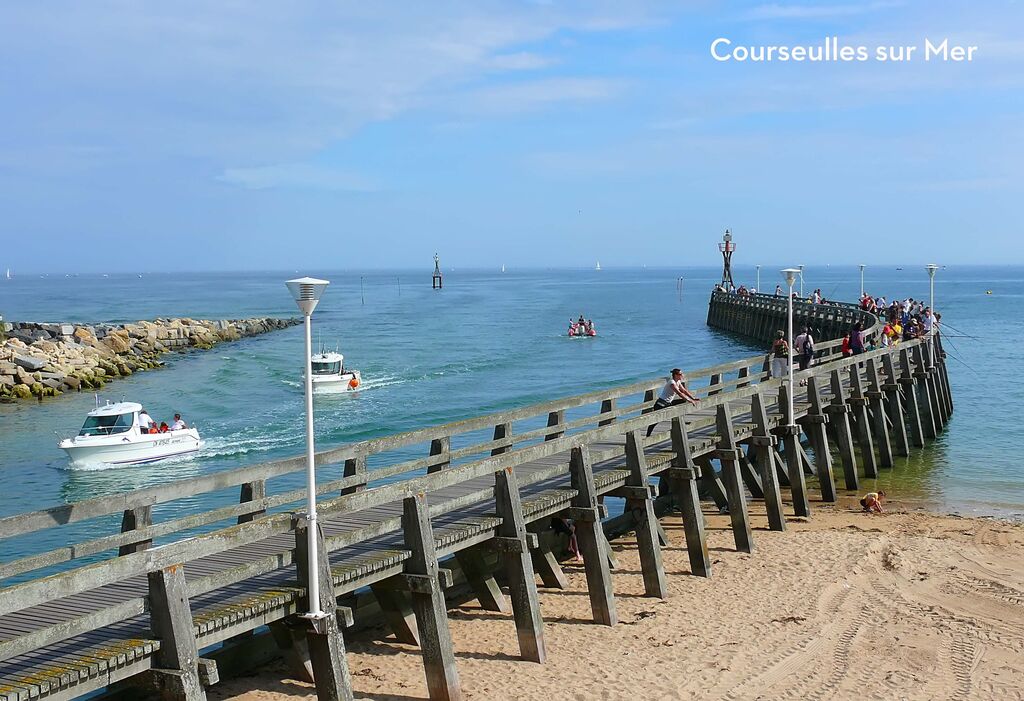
(252, 135)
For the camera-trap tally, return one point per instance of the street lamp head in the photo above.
(931, 268)
(306, 291)
(862, 266)
(790, 274)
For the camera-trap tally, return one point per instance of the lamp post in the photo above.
(759, 278)
(931, 268)
(800, 269)
(862, 266)
(307, 292)
(790, 274)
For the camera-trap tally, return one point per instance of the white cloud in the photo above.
(537, 94)
(520, 61)
(814, 11)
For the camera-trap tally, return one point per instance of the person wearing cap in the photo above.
(146, 422)
(674, 392)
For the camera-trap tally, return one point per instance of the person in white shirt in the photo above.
(146, 422)
(674, 392)
(804, 347)
(178, 423)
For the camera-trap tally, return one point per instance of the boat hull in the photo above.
(134, 450)
(336, 384)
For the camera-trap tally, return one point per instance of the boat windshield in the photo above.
(107, 425)
(327, 368)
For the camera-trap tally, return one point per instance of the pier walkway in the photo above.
(146, 605)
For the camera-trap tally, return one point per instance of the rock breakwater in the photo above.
(44, 360)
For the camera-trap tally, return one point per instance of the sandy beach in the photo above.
(903, 605)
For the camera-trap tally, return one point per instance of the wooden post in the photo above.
(481, 579)
(913, 408)
(860, 414)
(728, 455)
(750, 476)
(683, 480)
(428, 602)
(839, 419)
(931, 382)
(790, 434)
(814, 426)
(326, 645)
(132, 520)
(940, 362)
(502, 431)
(711, 484)
(519, 567)
(555, 418)
(397, 610)
(589, 536)
(877, 403)
(644, 517)
(607, 407)
(290, 637)
(354, 466)
(176, 663)
(923, 399)
(763, 443)
(894, 403)
(440, 446)
(252, 491)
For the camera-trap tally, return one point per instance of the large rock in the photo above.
(85, 336)
(30, 363)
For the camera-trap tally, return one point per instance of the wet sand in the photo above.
(903, 605)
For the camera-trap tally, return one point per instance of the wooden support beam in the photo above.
(555, 418)
(862, 421)
(683, 482)
(480, 577)
(430, 609)
(290, 637)
(252, 491)
(876, 403)
(176, 664)
(323, 637)
(354, 466)
(644, 517)
(133, 520)
(711, 484)
(749, 473)
(544, 561)
(728, 455)
(814, 426)
(590, 536)
(780, 466)
(940, 363)
(894, 405)
(519, 568)
(913, 407)
(764, 448)
(931, 382)
(790, 434)
(839, 418)
(440, 446)
(920, 374)
(397, 610)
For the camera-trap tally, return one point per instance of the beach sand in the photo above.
(903, 605)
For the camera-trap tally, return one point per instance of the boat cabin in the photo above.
(327, 364)
(111, 419)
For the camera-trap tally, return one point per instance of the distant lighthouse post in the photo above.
(436, 282)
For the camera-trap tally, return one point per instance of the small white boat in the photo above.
(112, 435)
(330, 376)
(598, 266)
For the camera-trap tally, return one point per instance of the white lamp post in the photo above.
(931, 268)
(862, 266)
(800, 269)
(759, 278)
(307, 292)
(790, 274)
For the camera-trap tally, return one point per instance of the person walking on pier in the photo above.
(674, 392)
(780, 355)
(804, 346)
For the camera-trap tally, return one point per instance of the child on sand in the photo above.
(872, 501)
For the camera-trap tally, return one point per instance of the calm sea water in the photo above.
(488, 341)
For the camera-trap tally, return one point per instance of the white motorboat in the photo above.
(112, 434)
(330, 376)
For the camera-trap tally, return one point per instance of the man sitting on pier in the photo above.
(674, 392)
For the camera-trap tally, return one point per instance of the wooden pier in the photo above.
(149, 605)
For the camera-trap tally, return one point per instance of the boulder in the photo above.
(22, 391)
(30, 363)
(52, 383)
(72, 382)
(85, 336)
(66, 329)
(6, 381)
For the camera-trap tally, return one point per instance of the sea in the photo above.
(488, 341)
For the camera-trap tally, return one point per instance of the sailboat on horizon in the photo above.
(502, 267)
(598, 266)
(9, 276)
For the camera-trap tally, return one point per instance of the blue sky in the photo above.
(235, 135)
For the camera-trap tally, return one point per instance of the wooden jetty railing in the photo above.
(484, 487)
